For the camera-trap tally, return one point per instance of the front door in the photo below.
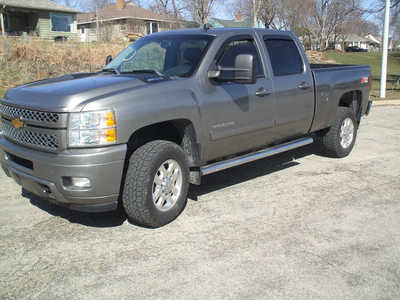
(239, 117)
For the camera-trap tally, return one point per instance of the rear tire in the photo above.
(339, 140)
(156, 184)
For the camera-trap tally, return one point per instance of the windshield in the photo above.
(169, 55)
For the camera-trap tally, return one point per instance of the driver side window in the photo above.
(236, 47)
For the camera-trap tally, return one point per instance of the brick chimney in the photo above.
(239, 17)
(121, 4)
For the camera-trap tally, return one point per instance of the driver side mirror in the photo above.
(108, 59)
(244, 71)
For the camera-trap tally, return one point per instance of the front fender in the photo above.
(151, 104)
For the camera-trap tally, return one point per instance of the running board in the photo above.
(240, 160)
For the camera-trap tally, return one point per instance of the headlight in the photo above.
(93, 128)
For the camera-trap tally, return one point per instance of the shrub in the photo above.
(26, 60)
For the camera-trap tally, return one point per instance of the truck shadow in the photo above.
(239, 174)
(209, 184)
(106, 219)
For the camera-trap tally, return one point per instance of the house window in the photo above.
(154, 27)
(122, 26)
(61, 22)
(151, 27)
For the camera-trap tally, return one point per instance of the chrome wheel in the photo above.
(167, 185)
(346, 133)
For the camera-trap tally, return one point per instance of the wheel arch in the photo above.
(179, 131)
(352, 99)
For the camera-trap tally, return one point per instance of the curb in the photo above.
(385, 102)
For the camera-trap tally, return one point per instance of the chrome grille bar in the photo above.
(34, 117)
(39, 138)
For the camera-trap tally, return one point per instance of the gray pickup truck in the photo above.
(172, 107)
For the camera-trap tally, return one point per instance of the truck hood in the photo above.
(69, 93)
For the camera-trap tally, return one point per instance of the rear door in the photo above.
(293, 86)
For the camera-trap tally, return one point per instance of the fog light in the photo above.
(77, 182)
(81, 182)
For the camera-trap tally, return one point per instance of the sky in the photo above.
(222, 12)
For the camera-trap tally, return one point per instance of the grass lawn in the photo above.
(372, 59)
(2, 92)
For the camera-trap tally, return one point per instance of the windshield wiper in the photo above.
(113, 70)
(150, 71)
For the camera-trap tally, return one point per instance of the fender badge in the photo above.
(17, 123)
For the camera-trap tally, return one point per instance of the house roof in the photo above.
(130, 11)
(355, 38)
(38, 4)
(373, 39)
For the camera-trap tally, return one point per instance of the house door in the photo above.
(83, 34)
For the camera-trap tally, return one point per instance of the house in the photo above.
(239, 21)
(355, 40)
(349, 40)
(41, 18)
(377, 41)
(373, 42)
(121, 19)
(340, 43)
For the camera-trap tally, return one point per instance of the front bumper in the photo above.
(42, 173)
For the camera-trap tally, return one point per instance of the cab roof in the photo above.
(221, 31)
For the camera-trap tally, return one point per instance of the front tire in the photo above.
(156, 184)
(339, 140)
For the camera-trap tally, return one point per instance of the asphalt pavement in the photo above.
(298, 226)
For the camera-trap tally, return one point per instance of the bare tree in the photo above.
(277, 14)
(263, 10)
(77, 4)
(170, 8)
(328, 14)
(200, 10)
(97, 4)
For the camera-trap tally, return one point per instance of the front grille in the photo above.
(31, 137)
(38, 117)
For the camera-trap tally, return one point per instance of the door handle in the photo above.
(303, 86)
(261, 92)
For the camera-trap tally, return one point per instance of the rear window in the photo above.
(284, 56)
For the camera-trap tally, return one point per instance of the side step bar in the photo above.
(240, 160)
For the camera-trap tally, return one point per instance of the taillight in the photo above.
(368, 80)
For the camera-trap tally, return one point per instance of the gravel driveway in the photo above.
(298, 225)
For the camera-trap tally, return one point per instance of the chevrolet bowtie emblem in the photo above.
(17, 123)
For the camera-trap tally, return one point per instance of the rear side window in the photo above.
(285, 58)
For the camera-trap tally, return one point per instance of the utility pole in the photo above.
(3, 28)
(254, 13)
(385, 40)
(97, 25)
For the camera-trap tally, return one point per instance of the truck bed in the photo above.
(331, 81)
